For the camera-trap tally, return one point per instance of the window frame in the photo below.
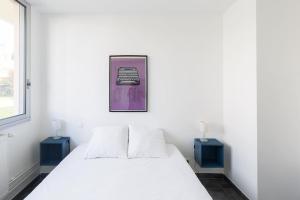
(26, 116)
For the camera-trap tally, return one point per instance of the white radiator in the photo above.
(4, 180)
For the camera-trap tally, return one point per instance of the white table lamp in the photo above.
(203, 129)
(57, 126)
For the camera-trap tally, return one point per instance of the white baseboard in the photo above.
(198, 169)
(21, 181)
(46, 169)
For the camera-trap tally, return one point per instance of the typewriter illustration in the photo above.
(128, 76)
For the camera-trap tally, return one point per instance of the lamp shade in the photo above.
(202, 126)
(56, 124)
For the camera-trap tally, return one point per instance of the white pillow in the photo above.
(108, 142)
(146, 143)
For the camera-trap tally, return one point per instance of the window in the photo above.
(14, 76)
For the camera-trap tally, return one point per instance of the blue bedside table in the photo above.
(209, 154)
(52, 151)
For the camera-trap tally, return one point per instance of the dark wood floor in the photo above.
(218, 186)
(30, 187)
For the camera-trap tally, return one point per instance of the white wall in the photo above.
(278, 42)
(23, 148)
(185, 84)
(3, 167)
(239, 95)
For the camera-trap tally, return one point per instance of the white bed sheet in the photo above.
(76, 178)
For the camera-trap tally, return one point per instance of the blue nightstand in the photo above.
(209, 154)
(52, 151)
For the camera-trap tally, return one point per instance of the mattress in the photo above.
(76, 178)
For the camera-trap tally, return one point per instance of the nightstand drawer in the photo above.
(53, 151)
(209, 154)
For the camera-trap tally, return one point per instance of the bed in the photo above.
(76, 178)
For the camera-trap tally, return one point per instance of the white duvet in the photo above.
(76, 178)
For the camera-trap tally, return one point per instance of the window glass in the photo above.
(12, 59)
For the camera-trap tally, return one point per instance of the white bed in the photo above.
(76, 178)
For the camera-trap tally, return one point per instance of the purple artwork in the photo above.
(128, 83)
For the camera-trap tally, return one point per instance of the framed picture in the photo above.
(128, 83)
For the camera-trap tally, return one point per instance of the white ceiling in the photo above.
(132, 6)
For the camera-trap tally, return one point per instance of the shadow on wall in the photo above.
(227, 167)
